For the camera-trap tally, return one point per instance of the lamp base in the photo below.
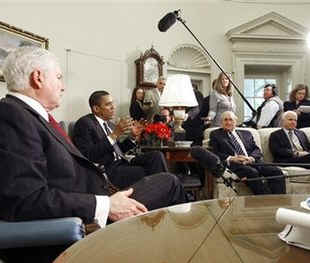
(178, 126)
(179, 136)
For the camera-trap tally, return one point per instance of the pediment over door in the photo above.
(271, 26)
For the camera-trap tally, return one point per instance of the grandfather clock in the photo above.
(149, 68)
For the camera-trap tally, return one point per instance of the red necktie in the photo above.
(58, 128)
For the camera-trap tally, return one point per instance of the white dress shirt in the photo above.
(269, 110)
(234, 133)
(101, 122)
(102, 202)
(295, 140)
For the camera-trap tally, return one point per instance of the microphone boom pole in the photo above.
(275, 177)
(178, 17)
(301, 165)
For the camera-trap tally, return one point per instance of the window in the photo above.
(254, 93)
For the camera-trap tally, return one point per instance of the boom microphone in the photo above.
(167, 21)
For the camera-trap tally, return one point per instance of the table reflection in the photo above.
(241, 229)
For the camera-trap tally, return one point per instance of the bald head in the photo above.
(289, 120)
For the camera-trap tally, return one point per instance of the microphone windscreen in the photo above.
(208, 160)
(166, 22)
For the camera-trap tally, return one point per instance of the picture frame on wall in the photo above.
(12, 37)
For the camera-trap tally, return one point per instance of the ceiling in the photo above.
(157, 1)
(108, 1)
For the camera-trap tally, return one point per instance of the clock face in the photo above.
(151, 73)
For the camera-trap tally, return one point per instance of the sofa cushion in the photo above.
(264, 138)
(306, 131)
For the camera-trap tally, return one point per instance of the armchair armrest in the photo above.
(47, 232)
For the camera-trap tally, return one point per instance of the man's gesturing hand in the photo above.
(121, 206)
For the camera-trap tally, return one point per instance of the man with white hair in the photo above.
(151, 99)
(238, 149)
(43, 174)
(289, 145)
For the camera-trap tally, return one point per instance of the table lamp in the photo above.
(178, 94)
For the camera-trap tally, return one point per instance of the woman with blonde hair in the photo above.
(220, 100)
(299, 97)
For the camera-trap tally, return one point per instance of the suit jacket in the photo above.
(90, 138)
(153, 96)
(223, 147)
(280, 145)
(303, 118)
(42, 175)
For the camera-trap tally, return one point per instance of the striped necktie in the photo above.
(236, 144)
(117, 150)
(290, 136)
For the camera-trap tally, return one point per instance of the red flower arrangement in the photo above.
(157, 130)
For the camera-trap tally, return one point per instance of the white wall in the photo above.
(120, 32)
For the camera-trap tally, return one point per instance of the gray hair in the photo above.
(21, 62)
(230, 113)
(287, 113)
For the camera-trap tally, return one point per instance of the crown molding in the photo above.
(270, 26)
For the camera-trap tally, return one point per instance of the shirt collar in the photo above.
(287, 131)
(34, 104)
(229, 132)
(101, 121)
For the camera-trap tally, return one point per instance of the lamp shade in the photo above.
(178, 92)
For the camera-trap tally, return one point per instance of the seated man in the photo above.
(239, 151)
(269, 112)
(289, 145)
(43, 174)
(98, 139)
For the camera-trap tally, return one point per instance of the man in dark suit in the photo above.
(238, 149)
(289, 145)
(42, 174)
(99, 140)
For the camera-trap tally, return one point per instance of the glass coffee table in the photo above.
(240, 229)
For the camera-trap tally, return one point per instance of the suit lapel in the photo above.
(70, 147)
(301, 139)
(286, 140)
(228, 141)
(99, 130)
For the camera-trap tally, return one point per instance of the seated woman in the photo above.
(299, 97)
(136, 104)
(220, 100)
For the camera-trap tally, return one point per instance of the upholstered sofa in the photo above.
(297, 185)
